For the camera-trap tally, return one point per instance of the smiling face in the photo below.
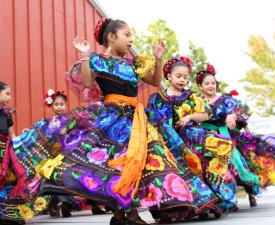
(179, 77)
(59, 106)
(121, 41)
(5, 95)
(209, 85)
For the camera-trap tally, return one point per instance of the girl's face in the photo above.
(209, 85)
(5, 95)
(179, 77)
(59, 106)
(122, 41)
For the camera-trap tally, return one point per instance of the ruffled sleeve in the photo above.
(144, 65)
(74, 80)
(158, 110)
(199, 105)
(227, 106)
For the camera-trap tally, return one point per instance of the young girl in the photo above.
(57, 101)
(228, 118)
(178, 113)
(7, 174)
(110, 153)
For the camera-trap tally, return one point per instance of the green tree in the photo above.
(259, 81)
(199, 63)
(156, 31)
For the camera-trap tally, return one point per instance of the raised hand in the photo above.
(159, 50)
(83, 46)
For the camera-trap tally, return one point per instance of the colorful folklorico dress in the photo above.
(108, 151)
(206, 153)
(254, 154)
(12, 175)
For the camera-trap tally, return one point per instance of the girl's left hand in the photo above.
(231, 121)
(159, 50)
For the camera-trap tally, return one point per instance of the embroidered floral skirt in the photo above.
(259, 153)
(207, 155)
(72, 151)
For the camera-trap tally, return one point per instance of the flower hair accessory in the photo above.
(99, 29)
(234, 93)
(170, 62)
(209, 69)
(51, 95)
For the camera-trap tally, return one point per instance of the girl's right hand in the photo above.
(185, 120)
(83, 46)
(25, 130)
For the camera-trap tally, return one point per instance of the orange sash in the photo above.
(134, 160)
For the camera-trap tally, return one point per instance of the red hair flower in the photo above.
(234, 93)
(211, 69)
(167, 66)
(99, 29)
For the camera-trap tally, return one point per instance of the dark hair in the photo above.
(60, 94)
(172, 63)
(204, 75)
(178, 64)
(3, 86)
(107, 26)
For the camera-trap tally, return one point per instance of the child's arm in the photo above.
(154, 79)
(196, 117)
(11, 132)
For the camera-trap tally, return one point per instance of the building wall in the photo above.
(36, 51)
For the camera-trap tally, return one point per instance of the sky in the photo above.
(221, 27)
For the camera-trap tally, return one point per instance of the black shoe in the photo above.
(252, 201)
(115, 221)
(203, 216)
(11, 222)
(97, 210)
(65, 210)
(234, 209)
(137, 221)
(54, 212)
(108, 210)
(253, 204)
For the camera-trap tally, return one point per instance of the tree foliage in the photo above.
(259, 81)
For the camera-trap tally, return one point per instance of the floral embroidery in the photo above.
(216, 166)
(177, 188)
(40, 204)
(97, 155)
(153, 197)
(154, 162)
(193, 163)
(91, 182)
(25, 211)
